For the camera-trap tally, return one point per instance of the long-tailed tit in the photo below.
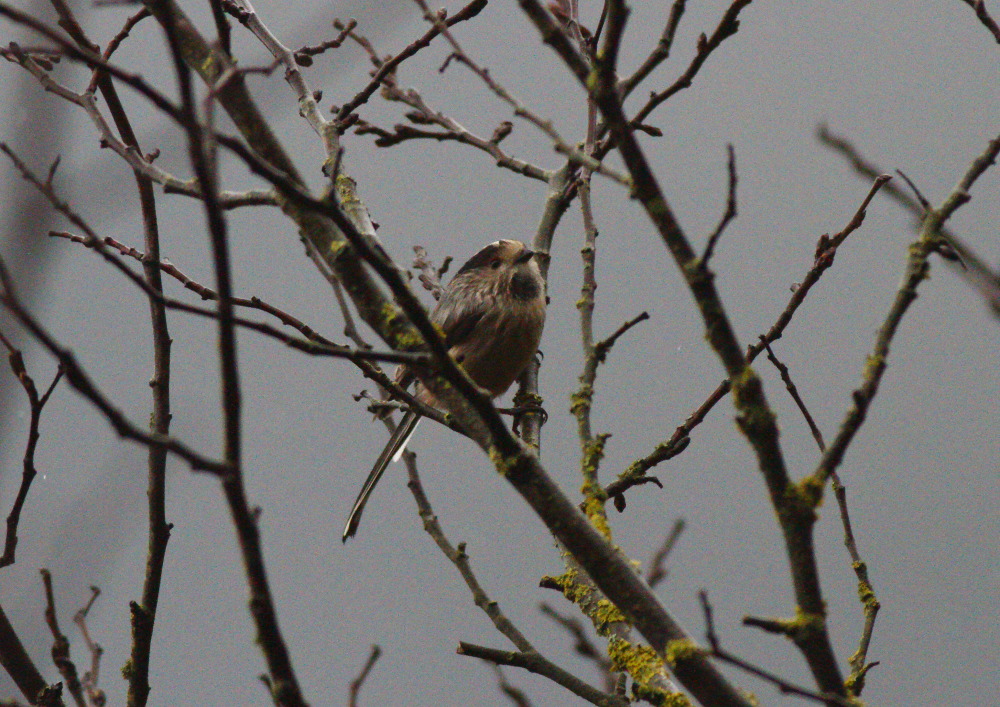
(492, 314)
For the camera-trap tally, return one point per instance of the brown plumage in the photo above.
(492, 314)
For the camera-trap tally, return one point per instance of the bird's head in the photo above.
(508, 268)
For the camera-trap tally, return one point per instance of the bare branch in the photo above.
(917, 268)
(60, 644)
(784, 687)
(582, 643)
(95, 696)
(977, 272)
(520, 110)
(359, 681)
(388, 67)
(730, 212)
(526, 655)
(727, 27)
(303, 56)
(657, 571)
(18, 664)
(826, 249)
(534, 663)
(793, 391)
(980, 8)
(659, 54)
(36, 403)
(516, 696)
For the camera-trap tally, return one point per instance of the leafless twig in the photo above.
(386, 68)
(982, 276)
(582, 644)
(359, 681)
(980, 8)
(870, 604)
(793, 391)
(521, 110)
(525, 655)
(60, 645)
(660, 53)
(657, 571)
(303, 56)
(784, 686)
(517, 696)
(37, 403)
(95, 695)
(730, 212)
(917, 268)
(826, 250)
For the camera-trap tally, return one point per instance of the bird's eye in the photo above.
(495, 264)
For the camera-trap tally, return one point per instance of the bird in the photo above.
(491, 314)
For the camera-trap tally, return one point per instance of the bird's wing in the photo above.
(458, 315)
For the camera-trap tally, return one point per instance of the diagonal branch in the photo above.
(526, 655)
(826, 250)
(976, 271)
(755, 418)
(917, 270)
(979, 6)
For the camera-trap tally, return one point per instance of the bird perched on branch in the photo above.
(491, 314)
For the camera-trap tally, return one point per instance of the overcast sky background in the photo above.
(914, 85)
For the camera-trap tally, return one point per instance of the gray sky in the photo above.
(913, 86)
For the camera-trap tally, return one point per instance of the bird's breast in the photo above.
(503, 346)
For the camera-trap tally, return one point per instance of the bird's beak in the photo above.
(524, 257)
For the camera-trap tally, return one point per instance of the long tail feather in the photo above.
(393, 450)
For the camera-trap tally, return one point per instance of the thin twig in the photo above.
(657, 571)
(516, 695)
(603, 347)
(529, 657)
(453, 131)
(727, 27)
(520, 110)
(534, 663)
(128, 152)
(866, 593)
(78, 378)
(826, 250)
(660, 53)
(870, 604)
(917, 269)
(730, 212)
(36, 403)
(388, 67)
(95, 695)
(582, 644)
(60, 644)
(980, 8)
(977, 272)
(784, 687)
(313, 343)
(591, 445)
(359, 681)
(303, 56)
(793, 391)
